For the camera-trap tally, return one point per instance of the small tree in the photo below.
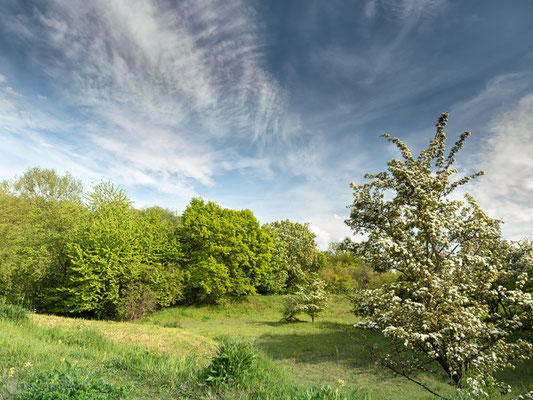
(450, 260)
(311, 300)
(295, 254)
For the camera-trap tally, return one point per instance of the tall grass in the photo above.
(12, 312)
(80, 362)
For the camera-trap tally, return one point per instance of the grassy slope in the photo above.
(323, 352)
(164, 353)
(152, 356)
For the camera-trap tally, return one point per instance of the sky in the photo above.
(275, 106)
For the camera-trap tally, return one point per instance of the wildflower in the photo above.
(341, 382)
(62, 360)
(28, 364)
(11, 372)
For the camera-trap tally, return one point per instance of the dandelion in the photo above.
(11, 372)
(28, 364)
(62, 360)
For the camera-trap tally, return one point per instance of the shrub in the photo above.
(234, 361)
(138, 302)
(291, 308)
(12, 312)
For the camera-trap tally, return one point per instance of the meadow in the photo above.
(165, 356)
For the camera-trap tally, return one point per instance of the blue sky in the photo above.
(274, 106)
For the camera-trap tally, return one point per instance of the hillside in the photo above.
(163, 356)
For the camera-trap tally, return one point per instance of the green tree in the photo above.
(345, 271)
(46, 185)
(450, 259)
(296, 257)
(118, 255)
(38, 213)
(226, 251)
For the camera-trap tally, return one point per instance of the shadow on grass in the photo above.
(332, 343)
(276, 323)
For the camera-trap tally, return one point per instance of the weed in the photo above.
(233, 362)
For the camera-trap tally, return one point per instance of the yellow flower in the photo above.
(28, 364)
(62, 360)
(341, 382)
(11, 372)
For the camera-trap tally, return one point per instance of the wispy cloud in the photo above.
(171, 86)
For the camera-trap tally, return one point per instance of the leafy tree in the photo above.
(165, 216)
(46, 185)
(226, 251)
(296, 257)
(310, 300)
(450, 259)
(118, 254)
(345, 271)
(38, 213)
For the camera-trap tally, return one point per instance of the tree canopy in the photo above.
(226, 251)
(295, 253)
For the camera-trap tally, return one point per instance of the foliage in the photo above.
(12, 312)
(520, 261)
(450, 261)
(45, 186)
(226, 252)
(296, 257)
(138, 301)
(70, 384)
(115, 250)
(38, 215)
(345, 271)
(234, 360)
(310, 300)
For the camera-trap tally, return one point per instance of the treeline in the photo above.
(95, 255)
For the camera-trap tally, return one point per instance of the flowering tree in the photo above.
(310, 300)
(447, 304)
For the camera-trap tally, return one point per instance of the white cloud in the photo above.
(329, 228)
(506, 157)
(2, 78)
(170, 88)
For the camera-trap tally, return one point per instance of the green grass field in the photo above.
(162, 357)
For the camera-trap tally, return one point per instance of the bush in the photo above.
(12, 312)
(234, 361)
(138, 302)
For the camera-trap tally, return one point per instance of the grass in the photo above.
(319, 353)
(51, 345)
(83, 359)
(170, 354)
